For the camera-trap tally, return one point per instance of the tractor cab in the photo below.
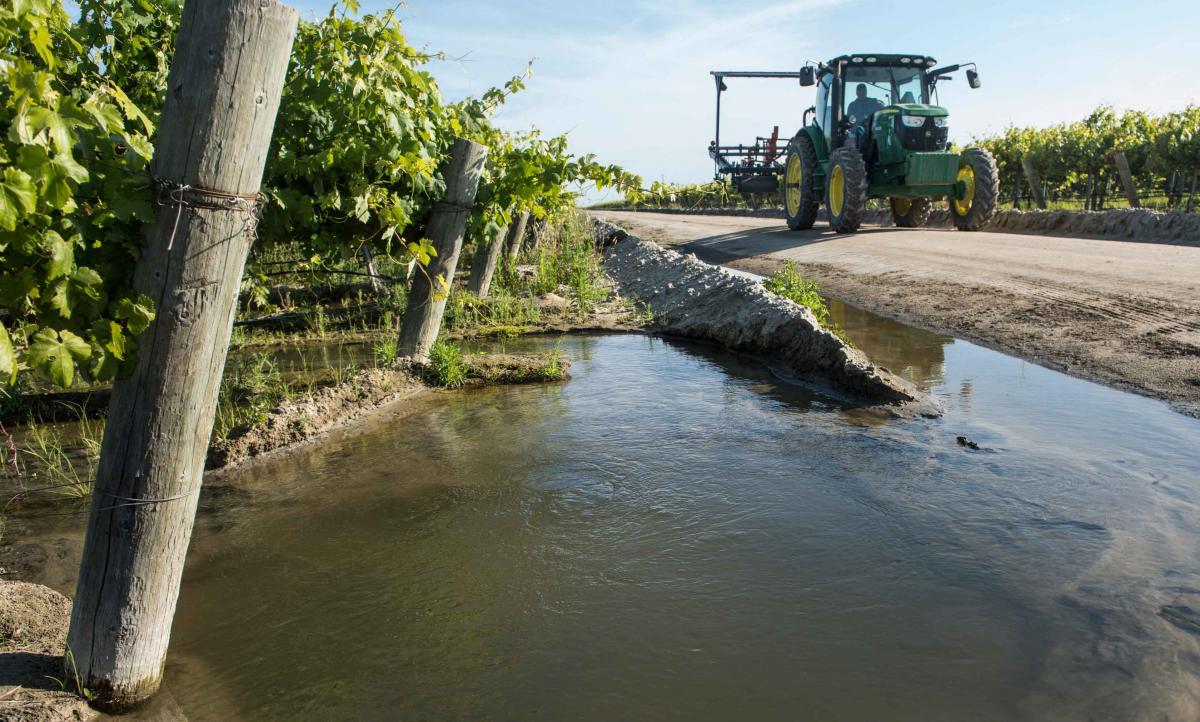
(875, 131)
(860, 94)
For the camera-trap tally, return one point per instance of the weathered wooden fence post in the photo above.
(447, 224)
(223, 92)
(372, 271)
(1126, 175)
(1035, 185)
(535, 234)
(483, 266)
(516, 237)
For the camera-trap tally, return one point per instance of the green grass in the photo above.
(570, 262)
(552, 368)
(788, 282)
(446, 367)
(253, 385)
(502, 308)
(385, 352)
(48, 462)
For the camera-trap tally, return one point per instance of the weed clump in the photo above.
(446, 367)
(385, 352)
(788, 282)
(552, 368)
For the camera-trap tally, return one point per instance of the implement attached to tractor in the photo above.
(885, 138)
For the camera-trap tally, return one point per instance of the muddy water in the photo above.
(674, 534)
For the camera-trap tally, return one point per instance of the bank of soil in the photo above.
(314, 415)
(33, 634)
(1122, 313)
(694, 299)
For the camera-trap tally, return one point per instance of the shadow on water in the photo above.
(676, 534)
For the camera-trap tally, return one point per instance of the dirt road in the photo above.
(1127, 314)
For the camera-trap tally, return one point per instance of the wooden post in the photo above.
(516, 236)
(1126, 176)
(1191, 204)
(483, 267)
(447, 223)
(536, 234)
(369, 261)
(1035, 186)
(222, 95)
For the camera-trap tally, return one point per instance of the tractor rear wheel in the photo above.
(799, 188)
(846, 194)
(980, 182)
(911, 212)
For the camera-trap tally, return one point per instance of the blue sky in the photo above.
(628, 79)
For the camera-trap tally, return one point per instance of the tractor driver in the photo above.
(863, 106)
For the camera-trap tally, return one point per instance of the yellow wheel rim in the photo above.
(792, 177)
(966, 176)
(837, 191)
(902, 205)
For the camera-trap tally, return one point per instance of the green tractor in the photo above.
(875, 133)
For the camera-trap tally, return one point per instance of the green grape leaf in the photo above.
(39, 37)
(62, 255)
(18, 196)
(56, 352)
(8, 356)
(137, 313)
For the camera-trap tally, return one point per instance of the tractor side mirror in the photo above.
(807, 76)
(973, 79)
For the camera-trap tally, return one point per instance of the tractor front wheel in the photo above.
(846, 190)
(979, 190)
(911, 212)
(799, 189)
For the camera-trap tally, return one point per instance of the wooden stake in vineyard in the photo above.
(483, 266)
(1035, 186)
(223, 92)
(516, 237)
(1126, 175)
(447, 224)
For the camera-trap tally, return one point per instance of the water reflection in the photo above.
(913, 353)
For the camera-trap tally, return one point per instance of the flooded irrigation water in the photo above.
(674, 534)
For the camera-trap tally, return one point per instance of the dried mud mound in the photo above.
(33, 634)
(697, 300)
(1131, 224)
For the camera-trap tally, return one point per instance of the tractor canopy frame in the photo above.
(751, 168)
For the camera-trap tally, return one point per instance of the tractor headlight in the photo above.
(912, 121)
(942, 122)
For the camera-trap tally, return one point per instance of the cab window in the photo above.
(823, 102)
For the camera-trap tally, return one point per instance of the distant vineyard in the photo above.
(1073, 166)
